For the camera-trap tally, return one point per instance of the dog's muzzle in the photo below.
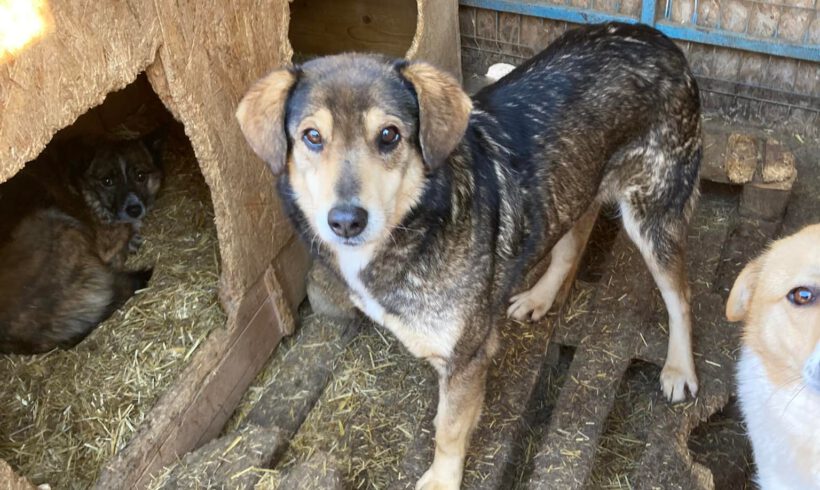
(347, 221)
(132, 209)
(811, 370)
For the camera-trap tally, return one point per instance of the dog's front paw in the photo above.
(676, 379)
(357, 302)
(135, 243)
(431, 481)
(528, 305)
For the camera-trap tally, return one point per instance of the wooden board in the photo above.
(322, 27)
(9, 480)
(415, 29)
(229, 461)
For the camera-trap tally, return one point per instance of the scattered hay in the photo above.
(625, 435)
(65, 413)
(367, 416)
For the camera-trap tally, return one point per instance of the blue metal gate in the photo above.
(688, 26)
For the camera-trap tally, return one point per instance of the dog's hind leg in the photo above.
(534, 303)
(660, 235)
(461, 397)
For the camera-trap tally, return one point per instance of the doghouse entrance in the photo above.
(323, 27)
(65, 413)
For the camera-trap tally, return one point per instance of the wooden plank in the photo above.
(413, 29)
(9, 480)
(196, 407)
(322, 27)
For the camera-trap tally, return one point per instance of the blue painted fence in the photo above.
(684, 32)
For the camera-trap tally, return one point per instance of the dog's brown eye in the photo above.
(313, 138)
(389, 135)
(801, 296)
(107, 181)
(140, 177)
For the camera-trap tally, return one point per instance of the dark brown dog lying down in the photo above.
(432, 206)
(62, 266)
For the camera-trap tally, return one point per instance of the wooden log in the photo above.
(742, 157)
(317, 473)
(231, 461)
(766, 201)
(301, 374)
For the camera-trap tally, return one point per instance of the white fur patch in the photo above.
(783, 426)
(436, 344)
(351, 262)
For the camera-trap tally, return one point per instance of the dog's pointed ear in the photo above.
(155, 142)
(79, 152)
(261, 116)
(737, 306)
(444, 110)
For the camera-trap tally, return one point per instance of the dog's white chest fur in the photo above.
(436, 346)
(784, 427)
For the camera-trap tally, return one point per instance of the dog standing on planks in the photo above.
(432, 206)
(776, 296)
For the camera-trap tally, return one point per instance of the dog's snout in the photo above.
(347, 221)
(811, 370)
(134, 210)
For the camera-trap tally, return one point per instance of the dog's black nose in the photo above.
(347, 221)
(134, 210)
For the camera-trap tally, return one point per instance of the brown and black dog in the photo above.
(432, 205)
(69, 220)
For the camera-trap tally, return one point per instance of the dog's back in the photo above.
(779, 370)
(597, 102)
(55, 288)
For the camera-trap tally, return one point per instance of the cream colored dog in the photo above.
(779, 370)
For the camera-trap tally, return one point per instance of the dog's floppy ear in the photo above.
(444, 110)
(737, 306)
(261, 116)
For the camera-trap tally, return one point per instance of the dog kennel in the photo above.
(85, 66)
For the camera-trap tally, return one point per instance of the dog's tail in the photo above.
(126, 283)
